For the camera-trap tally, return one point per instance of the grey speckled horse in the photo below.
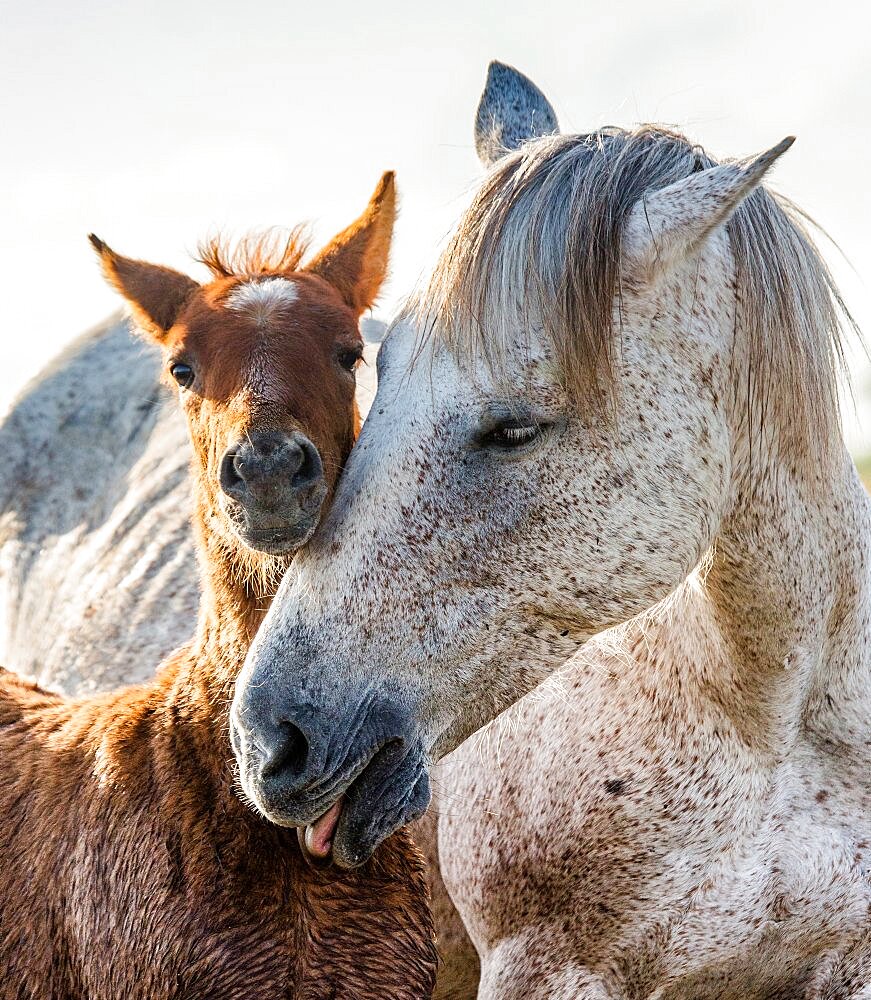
(607, 427)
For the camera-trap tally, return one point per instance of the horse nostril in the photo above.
(230, 475)
(309, 467)
(289, 755)
(265, 468)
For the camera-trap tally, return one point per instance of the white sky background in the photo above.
(156, 124)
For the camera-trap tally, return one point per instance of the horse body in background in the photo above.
(131, 868)
(97, 563)
(609, 424)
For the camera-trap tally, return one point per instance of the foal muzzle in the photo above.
(273, 489)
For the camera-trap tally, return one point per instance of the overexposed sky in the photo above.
(156, 124)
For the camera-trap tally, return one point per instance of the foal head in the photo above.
(263, 357)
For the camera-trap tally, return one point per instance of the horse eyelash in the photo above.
(518, 433)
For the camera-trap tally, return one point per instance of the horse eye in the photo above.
(182, 373)
(508, 436)
(349, 358)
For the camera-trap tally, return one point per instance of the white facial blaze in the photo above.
(263, 298)
(265, 301)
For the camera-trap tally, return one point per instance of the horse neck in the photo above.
(784, 620)
(237, 587)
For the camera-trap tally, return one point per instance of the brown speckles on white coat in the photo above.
(717, 871)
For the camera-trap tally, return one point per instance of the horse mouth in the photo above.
(384, 791)
(277, 541)
(316, 839)
(274, 537)
(380, 800)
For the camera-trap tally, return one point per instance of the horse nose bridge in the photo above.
(282, 669)
(291, 672)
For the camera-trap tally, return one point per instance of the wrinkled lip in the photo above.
(381, 794)
(316, 839)
(365, 824)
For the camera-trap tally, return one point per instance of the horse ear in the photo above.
(155, 294)
(668, 224)
(511, 110)
(355, 261)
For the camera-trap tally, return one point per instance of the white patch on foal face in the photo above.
(265, 301)
(263, 298)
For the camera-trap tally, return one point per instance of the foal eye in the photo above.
(350, 357)
(182, 373)
(511, 435)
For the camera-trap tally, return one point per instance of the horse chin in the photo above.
(372, 811)
(375, 804)
(274, 540)
(279, 532)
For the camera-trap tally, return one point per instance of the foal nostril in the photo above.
(267, 467)
(290, 754)
(309, 467)
(294, 460)
(229, 476)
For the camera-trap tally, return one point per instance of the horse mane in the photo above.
(273, 251)
(542, 240)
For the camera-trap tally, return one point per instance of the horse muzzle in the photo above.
(296, 765)
(273, 488)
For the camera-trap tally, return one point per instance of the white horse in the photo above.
(611, 416)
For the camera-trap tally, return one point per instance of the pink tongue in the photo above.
(319, 835)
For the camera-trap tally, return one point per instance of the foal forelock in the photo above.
(542, 240)
(272, 252)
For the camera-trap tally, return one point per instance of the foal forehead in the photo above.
(270, 337)
(263, 299)
(279, 314)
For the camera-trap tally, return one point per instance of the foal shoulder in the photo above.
(19, 697)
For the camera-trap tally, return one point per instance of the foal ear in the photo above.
(355, 261)
(155, 294)
(511, 110)
(668, 224)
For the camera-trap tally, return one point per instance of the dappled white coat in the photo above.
(98, 578)
(683, 811)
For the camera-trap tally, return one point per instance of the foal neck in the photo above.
(788, 589)
(237, 587)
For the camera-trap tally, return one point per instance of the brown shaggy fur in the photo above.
(129, 868)
(267, 253)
